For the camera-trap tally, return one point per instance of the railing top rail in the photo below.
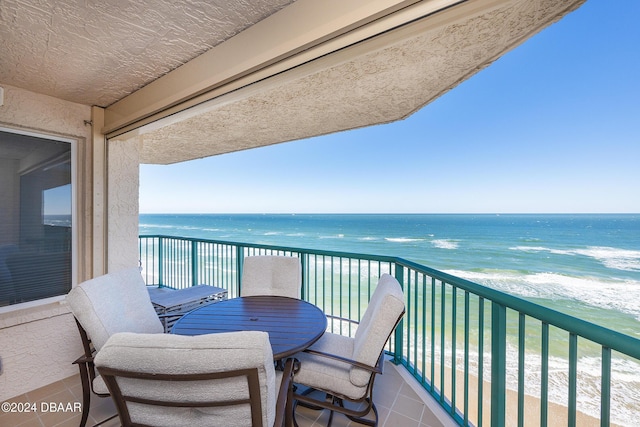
(596, 333)
(339, 254)
(608, 338)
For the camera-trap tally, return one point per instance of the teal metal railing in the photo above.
(488, 358)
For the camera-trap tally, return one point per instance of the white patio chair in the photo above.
(225, 379)
(344, 368)
(271, 275)
(103, 306)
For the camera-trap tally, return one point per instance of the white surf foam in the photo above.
(445, 244)
(402, 239)
(621, 259)
(625, 382)
(615, 258)
(616, 294)
(334, 236)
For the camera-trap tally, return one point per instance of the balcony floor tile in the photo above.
(397, 403)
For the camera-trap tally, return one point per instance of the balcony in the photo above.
(485, 357)
(464, 354)
(398, 397)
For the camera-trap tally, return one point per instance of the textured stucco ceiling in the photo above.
(378, 86)
(96, 52)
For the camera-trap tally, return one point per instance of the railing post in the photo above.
(605, 394)
(239, 267)
(160, 262)
(397, 350)
(303, 263)
(229, 260)
(498, 364)
(194, 263)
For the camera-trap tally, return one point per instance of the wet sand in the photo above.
(557, 413)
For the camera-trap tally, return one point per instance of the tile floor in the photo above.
(398, 406)
(62, 392)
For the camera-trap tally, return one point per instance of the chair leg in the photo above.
(330, 418)
(305, 404)
(290, 420)
(337, 404)
(365, 421)
(360, 420)
(309, 404)
(86, 393)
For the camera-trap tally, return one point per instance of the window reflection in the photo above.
(35, 236)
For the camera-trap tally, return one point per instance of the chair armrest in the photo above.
(284, 404)
(375, 369)
(83, 359)
(342, 319)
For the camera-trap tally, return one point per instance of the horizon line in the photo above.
(389, 213)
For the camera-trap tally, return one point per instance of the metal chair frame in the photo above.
(284, 407)
(334, 402)
(87, 375)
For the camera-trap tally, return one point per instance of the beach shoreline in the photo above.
(557, 414)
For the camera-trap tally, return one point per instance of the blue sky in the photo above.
(551, 127)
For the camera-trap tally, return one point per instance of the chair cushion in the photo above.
(327, 374)
(271, 275)
(115, 302)
(176, 354)
(384, 309)
(99, 386)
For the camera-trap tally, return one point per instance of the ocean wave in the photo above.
(613, 294)
(146, 227)
(402, 239)
(614, 258)
(445, 244)
(625, 382)
(620, 259)
(157, 226)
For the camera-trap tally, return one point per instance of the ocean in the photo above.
(584, 265)
(587, 266)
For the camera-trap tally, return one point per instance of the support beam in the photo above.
(99, 193)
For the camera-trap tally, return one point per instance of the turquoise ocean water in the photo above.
(587, 266)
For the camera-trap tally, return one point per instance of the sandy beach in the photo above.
(557, 413)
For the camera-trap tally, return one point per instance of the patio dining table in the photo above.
(293, 325)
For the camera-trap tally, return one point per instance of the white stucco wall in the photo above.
(38, 344)
(122, 211)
